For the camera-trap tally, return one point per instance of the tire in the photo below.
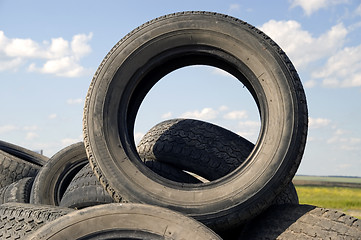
(13, 169)
(196, 146)
(53, 179)
(202, 148)
(18, 191)
(303, 222)
(124, 221)
(173, 41)
(23, 153)
(85, 191)
(18, 220)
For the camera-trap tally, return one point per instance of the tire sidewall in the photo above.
(112, 104)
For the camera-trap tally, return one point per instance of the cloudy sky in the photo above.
(49, 51)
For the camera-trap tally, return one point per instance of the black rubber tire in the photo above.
(303, 222)
(168, 43)
(85, 189)
(18, 191)
(53, 179)
(18, 220)
(124, 221)
(196, 146)
(13, 169)
(23, 153)
(202, 148)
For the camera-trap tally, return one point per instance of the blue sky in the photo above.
(49, 51)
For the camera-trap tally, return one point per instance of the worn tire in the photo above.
(23, 153)
(168, 43)
(124, 221)
(196, 146)
(13, 169)
(18, 220)
(85, 189)
(18, 191)
(303, 222)
(202, 148)
(53, 179)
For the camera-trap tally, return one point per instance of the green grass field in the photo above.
(344, 199)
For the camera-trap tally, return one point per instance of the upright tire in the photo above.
(124, 221)
(168, 43)
(18, 191)
(53, 179)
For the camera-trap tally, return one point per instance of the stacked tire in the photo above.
(186, 179)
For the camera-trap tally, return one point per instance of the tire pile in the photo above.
(186, 179)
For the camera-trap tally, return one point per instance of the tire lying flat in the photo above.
(23, 153)
(202, 148)
(196, 146)
(13, 169)
(168, 43)
(124, 221)
(53, 179)
(18, 220)
(303, 222)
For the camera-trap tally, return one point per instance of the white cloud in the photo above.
(343, 69)
(52, 116)
(221, 72)
(358, 10)
(68, 141)
(310, 83)
(318, 122)
(31, 135)
(254, 124)
(22, 48)
(166, 115)
(74, 101)
(80, 46)
(234, 7)
(137, 137)
(12, 64)
(300, 45)
(204, 114)
(311, 6)
(8, 128)
(236, 115)
(59, 57)
(344, 142)
(30, 128)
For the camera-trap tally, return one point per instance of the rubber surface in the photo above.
(303, 222)
(53, 179)
(18, 220)
(23, 153)
(203, 148)
(196, 146)
(18, 191)
(124, 221)
(84, 190)
(168, 43)
(13, 169)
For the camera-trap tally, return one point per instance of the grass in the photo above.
(329, 179)
(345, 199)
